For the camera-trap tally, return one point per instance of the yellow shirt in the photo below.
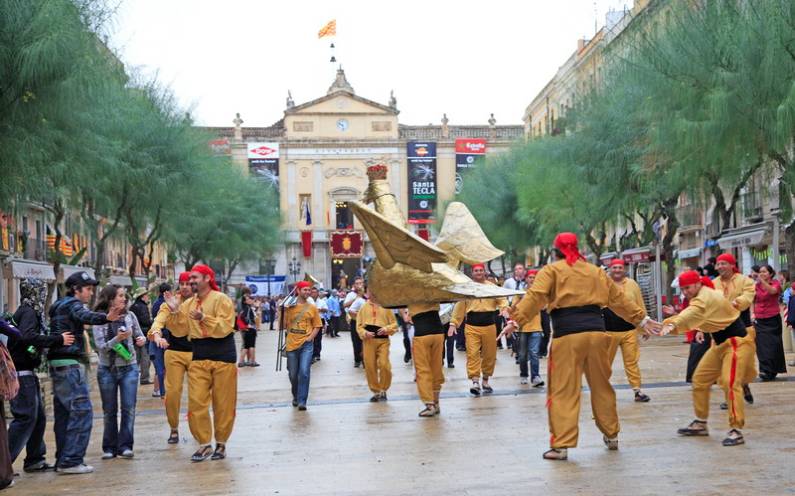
(219, 316)
(478, 305)
(633, 292)
(175, 322)
(532, 325)
(560, 285)
(740, 288)
(708, 311)
(375, 315)
(302, 317)
(418, 308)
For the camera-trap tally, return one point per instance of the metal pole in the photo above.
(658, 279)
(776, 235)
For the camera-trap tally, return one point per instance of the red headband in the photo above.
(206, 271)
(566, 242)
(479, 266)
(617, 261)
(303, 284)
(706, 281)
(184, 276)
(729, 258)
(532, 272)
(688, 278)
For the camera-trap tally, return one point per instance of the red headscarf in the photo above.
(566, 242)
(689, 277)
(206, 271)
(617, 261)
(479, 266)
(706, 281)
(532, 272)
(302, 284)
(729, 258)
(184, 277)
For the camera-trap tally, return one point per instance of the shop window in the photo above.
(344, 216)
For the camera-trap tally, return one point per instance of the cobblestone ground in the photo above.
(478, 446)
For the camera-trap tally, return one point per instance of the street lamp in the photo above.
(270, 265)
(295, 268)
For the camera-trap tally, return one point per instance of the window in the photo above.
(303, 126)
(344, 216)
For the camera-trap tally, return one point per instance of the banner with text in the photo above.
(469, 152)
(263, 162)
(265, 285)
(421, 157)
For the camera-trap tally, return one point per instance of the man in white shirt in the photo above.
(517, 282)
(318, 298)
(353, 302)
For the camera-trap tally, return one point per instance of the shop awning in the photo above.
(125, 281)
(28, 268)
(691, 253)
(752, 235)
(637, 255)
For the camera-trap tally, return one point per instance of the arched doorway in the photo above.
(343, 268)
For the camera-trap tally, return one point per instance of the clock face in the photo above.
(342, 125)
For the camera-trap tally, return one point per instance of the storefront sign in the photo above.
(263, 162)
(469, 152)
(421, 156)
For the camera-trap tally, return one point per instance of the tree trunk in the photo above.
(789, 238)
(668, 246)
(59, 212)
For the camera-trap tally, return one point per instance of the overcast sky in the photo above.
(465, 58)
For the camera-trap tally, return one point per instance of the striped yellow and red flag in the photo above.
(330, 29)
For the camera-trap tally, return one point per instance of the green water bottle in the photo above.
(122, 350)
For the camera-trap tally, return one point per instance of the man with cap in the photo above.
(624, 334)
(740, 291)
(212, 375)
(302, 322)
(575, 293)
(71, 403)
(710, 312)
(481, 332)
(170, 331)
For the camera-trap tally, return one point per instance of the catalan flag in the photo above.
(65, 246)
(329, 29)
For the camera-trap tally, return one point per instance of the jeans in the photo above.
(299, 362)
(27, 428)
(317, 345)
(142, 357)
(118, 384)
(157, 354)
(529, 345)
(73, 414)
(449, 347)
(357, 343)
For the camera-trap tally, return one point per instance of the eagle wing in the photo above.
(463, 239)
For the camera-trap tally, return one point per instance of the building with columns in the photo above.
(317, 155)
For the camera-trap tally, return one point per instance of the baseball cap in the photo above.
(80, 279)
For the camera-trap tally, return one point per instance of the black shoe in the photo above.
(406, 358)
(220, 452)
(749, 398)
(202, 454)
(41, 466)
(173, 438)
(450, 365)
(641, 398)
(735, 438)
(357, 364)
(375, 398)
(295, 403)
(724, 406)
(487, 389)
(460, 349)
(302, 408)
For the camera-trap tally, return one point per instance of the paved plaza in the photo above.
(478, 446)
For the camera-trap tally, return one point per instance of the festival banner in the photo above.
(346, 244)
(259, 285)
(263, 162)
(221, 146)
(421, 156)
(469, 152)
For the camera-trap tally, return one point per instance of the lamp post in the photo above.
(270, 265)
(295, 268)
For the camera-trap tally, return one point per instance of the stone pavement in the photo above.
(478, 446)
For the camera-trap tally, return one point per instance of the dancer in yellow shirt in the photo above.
(375, 324)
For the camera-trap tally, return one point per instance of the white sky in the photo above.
(466, 58)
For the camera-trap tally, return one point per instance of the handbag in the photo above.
(9, 383)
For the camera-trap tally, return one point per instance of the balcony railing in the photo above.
(690, 216)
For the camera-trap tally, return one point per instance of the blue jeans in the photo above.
(299, 362)
(27, 428)
(115, 383)
(73, 414)
(529, 345)
(157, 354)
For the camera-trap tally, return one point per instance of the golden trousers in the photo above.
(481, 343)
(177, 365)
(727, 362)
(377, 368)
(428, 352)
(213, 382)
(570, 357)
(749, 372)
(630, 353)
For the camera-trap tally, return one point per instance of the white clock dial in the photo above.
(342, 125)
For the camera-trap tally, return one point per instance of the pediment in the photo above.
(341, 102)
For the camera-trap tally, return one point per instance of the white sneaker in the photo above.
(128, 453)
(108, 456)
(537, 381)
(523, 381)
(77, 469)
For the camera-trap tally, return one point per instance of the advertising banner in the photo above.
(259, 285)
(421, 156)
(263, 162)
(469, 152)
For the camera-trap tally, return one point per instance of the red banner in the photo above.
(306, 243)
(470, 146)
(346, 244)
